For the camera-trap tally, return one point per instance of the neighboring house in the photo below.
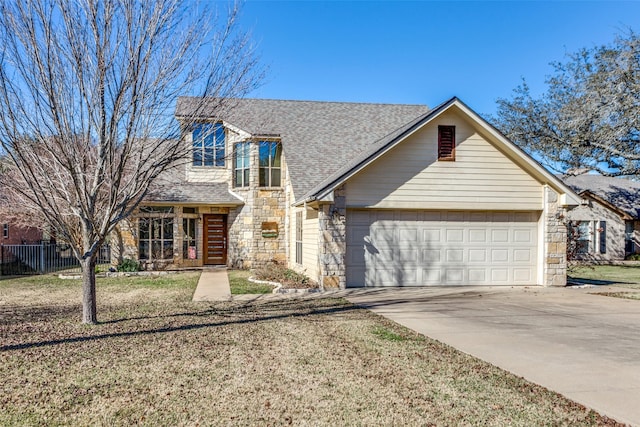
(13, 234)
(608, 220)
(356, 195)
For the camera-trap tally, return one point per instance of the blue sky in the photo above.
(422, 51)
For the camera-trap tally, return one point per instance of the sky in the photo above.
(423, 52)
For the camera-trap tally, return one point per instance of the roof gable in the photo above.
(618, 194)
(383, 145)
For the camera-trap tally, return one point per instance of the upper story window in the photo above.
(208, 144)
(5, 231)
(447, 143)
(241, 164)
(270, 153)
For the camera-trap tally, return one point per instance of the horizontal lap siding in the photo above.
(411, 177)
(309, 242)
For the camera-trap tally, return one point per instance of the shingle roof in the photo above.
(318, 138)
(172, 187)
(622, 193)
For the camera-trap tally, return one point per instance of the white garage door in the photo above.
(418, 248)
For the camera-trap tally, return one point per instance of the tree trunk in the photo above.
(89, 310)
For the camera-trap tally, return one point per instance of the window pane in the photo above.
(275, 177)
(237, 180)
(156, 250)
(168, 228)
(264, 153)
(143, 226)
(197, 157)
(220, 157)
(263, 177)
(208, 156)
(276, 151)
(144, 249)
(167, 252)
(246, 178)
(239, 156)
(247, 151)
(219, 134)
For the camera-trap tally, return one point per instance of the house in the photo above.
(356, 195)
(607, 223)
(15, 234)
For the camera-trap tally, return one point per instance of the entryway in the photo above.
(214, 239)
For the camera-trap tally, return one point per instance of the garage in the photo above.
(432, 248)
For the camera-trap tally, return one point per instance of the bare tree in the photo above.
(87, 91)
(589, 117)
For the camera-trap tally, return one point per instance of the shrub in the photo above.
(633, 257)
(277, 272)
(128, 265)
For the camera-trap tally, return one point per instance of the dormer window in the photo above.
(447, 143)
(208, 144)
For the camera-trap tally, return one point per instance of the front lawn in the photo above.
(625, 275)
(622, 276)
(240, 284)
(159, 359)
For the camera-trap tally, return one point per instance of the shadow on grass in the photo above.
(573, 281)
(298, 312)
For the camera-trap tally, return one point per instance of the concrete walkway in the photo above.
(586, 347)
(213, 285)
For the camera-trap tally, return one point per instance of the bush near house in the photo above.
(277, 272)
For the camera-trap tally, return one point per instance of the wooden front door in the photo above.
(215, 239)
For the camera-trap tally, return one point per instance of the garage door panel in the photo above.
(424, 248)
(455, 235)
(477, 255)
(477, 236)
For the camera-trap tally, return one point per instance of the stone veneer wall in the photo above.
(123, 241)
(247, 247)
(555, 241)
(332, 241)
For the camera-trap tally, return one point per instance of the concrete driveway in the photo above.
(586, 347)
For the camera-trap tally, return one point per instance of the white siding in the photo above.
(410, 176)
(309, 242)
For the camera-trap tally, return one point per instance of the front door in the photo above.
(215, 239)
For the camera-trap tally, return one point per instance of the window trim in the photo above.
(270, 167)
(446, 153)
(245, 168)
(199, 145)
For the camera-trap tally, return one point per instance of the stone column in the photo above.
(555, 241)
(332, 242)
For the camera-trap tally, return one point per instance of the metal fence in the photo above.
(16, 260)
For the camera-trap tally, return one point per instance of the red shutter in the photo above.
(446, 142)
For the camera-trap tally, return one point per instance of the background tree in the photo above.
(87, 92)
(589, 116)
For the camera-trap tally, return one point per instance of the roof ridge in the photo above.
(315, 101)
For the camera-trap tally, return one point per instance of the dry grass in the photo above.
(159, 359)
(622, 276)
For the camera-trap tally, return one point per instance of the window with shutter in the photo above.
(447, 143)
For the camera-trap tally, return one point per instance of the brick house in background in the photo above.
(355, 195)
(13, 234)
